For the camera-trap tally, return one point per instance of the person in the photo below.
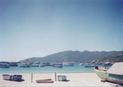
(96, 67)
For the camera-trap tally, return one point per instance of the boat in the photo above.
(35, 65)
(45, 64)
(113, 74)
(81, 64)
(45, 81)
(57, 65)
(108, 64)
(23, 65)
(68, 64)
(102, 73)
(13, 64)
(12, 77)
(89, 65)
(4, 65)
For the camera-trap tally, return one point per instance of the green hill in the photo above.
(78, 56)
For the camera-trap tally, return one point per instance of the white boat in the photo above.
(113, 74)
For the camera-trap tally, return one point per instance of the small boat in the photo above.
(89, 65)
(23, 65)
(12, 77)
(45, 64)
(81, 64)
(13, 64)
(68, 64)
(4, 65)
(44, 81)
(58, 65)
(108, 64)
(113, 74)
(35, 65)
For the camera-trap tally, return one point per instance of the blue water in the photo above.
(48, 69)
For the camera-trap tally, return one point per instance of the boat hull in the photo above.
(114, 78)
(102, 74)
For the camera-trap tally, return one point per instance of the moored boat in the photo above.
(58, 65)
(89, 65)
(35, 65)
(68, 64)
(81, 64)
(45, 64)
(4, 65)
(23, 65)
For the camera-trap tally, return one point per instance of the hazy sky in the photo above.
(33, 28)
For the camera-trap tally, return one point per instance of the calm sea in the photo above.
(48, 69)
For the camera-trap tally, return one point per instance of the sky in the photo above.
(36, 28)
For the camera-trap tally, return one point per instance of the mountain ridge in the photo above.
(78, 57)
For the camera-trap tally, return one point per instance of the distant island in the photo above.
(71, 57)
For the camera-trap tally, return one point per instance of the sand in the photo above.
(75, 80)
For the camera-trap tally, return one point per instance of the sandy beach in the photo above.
(75, 80)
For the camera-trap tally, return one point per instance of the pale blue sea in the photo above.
(48, 69)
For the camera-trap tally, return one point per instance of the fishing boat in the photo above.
(113, 74)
